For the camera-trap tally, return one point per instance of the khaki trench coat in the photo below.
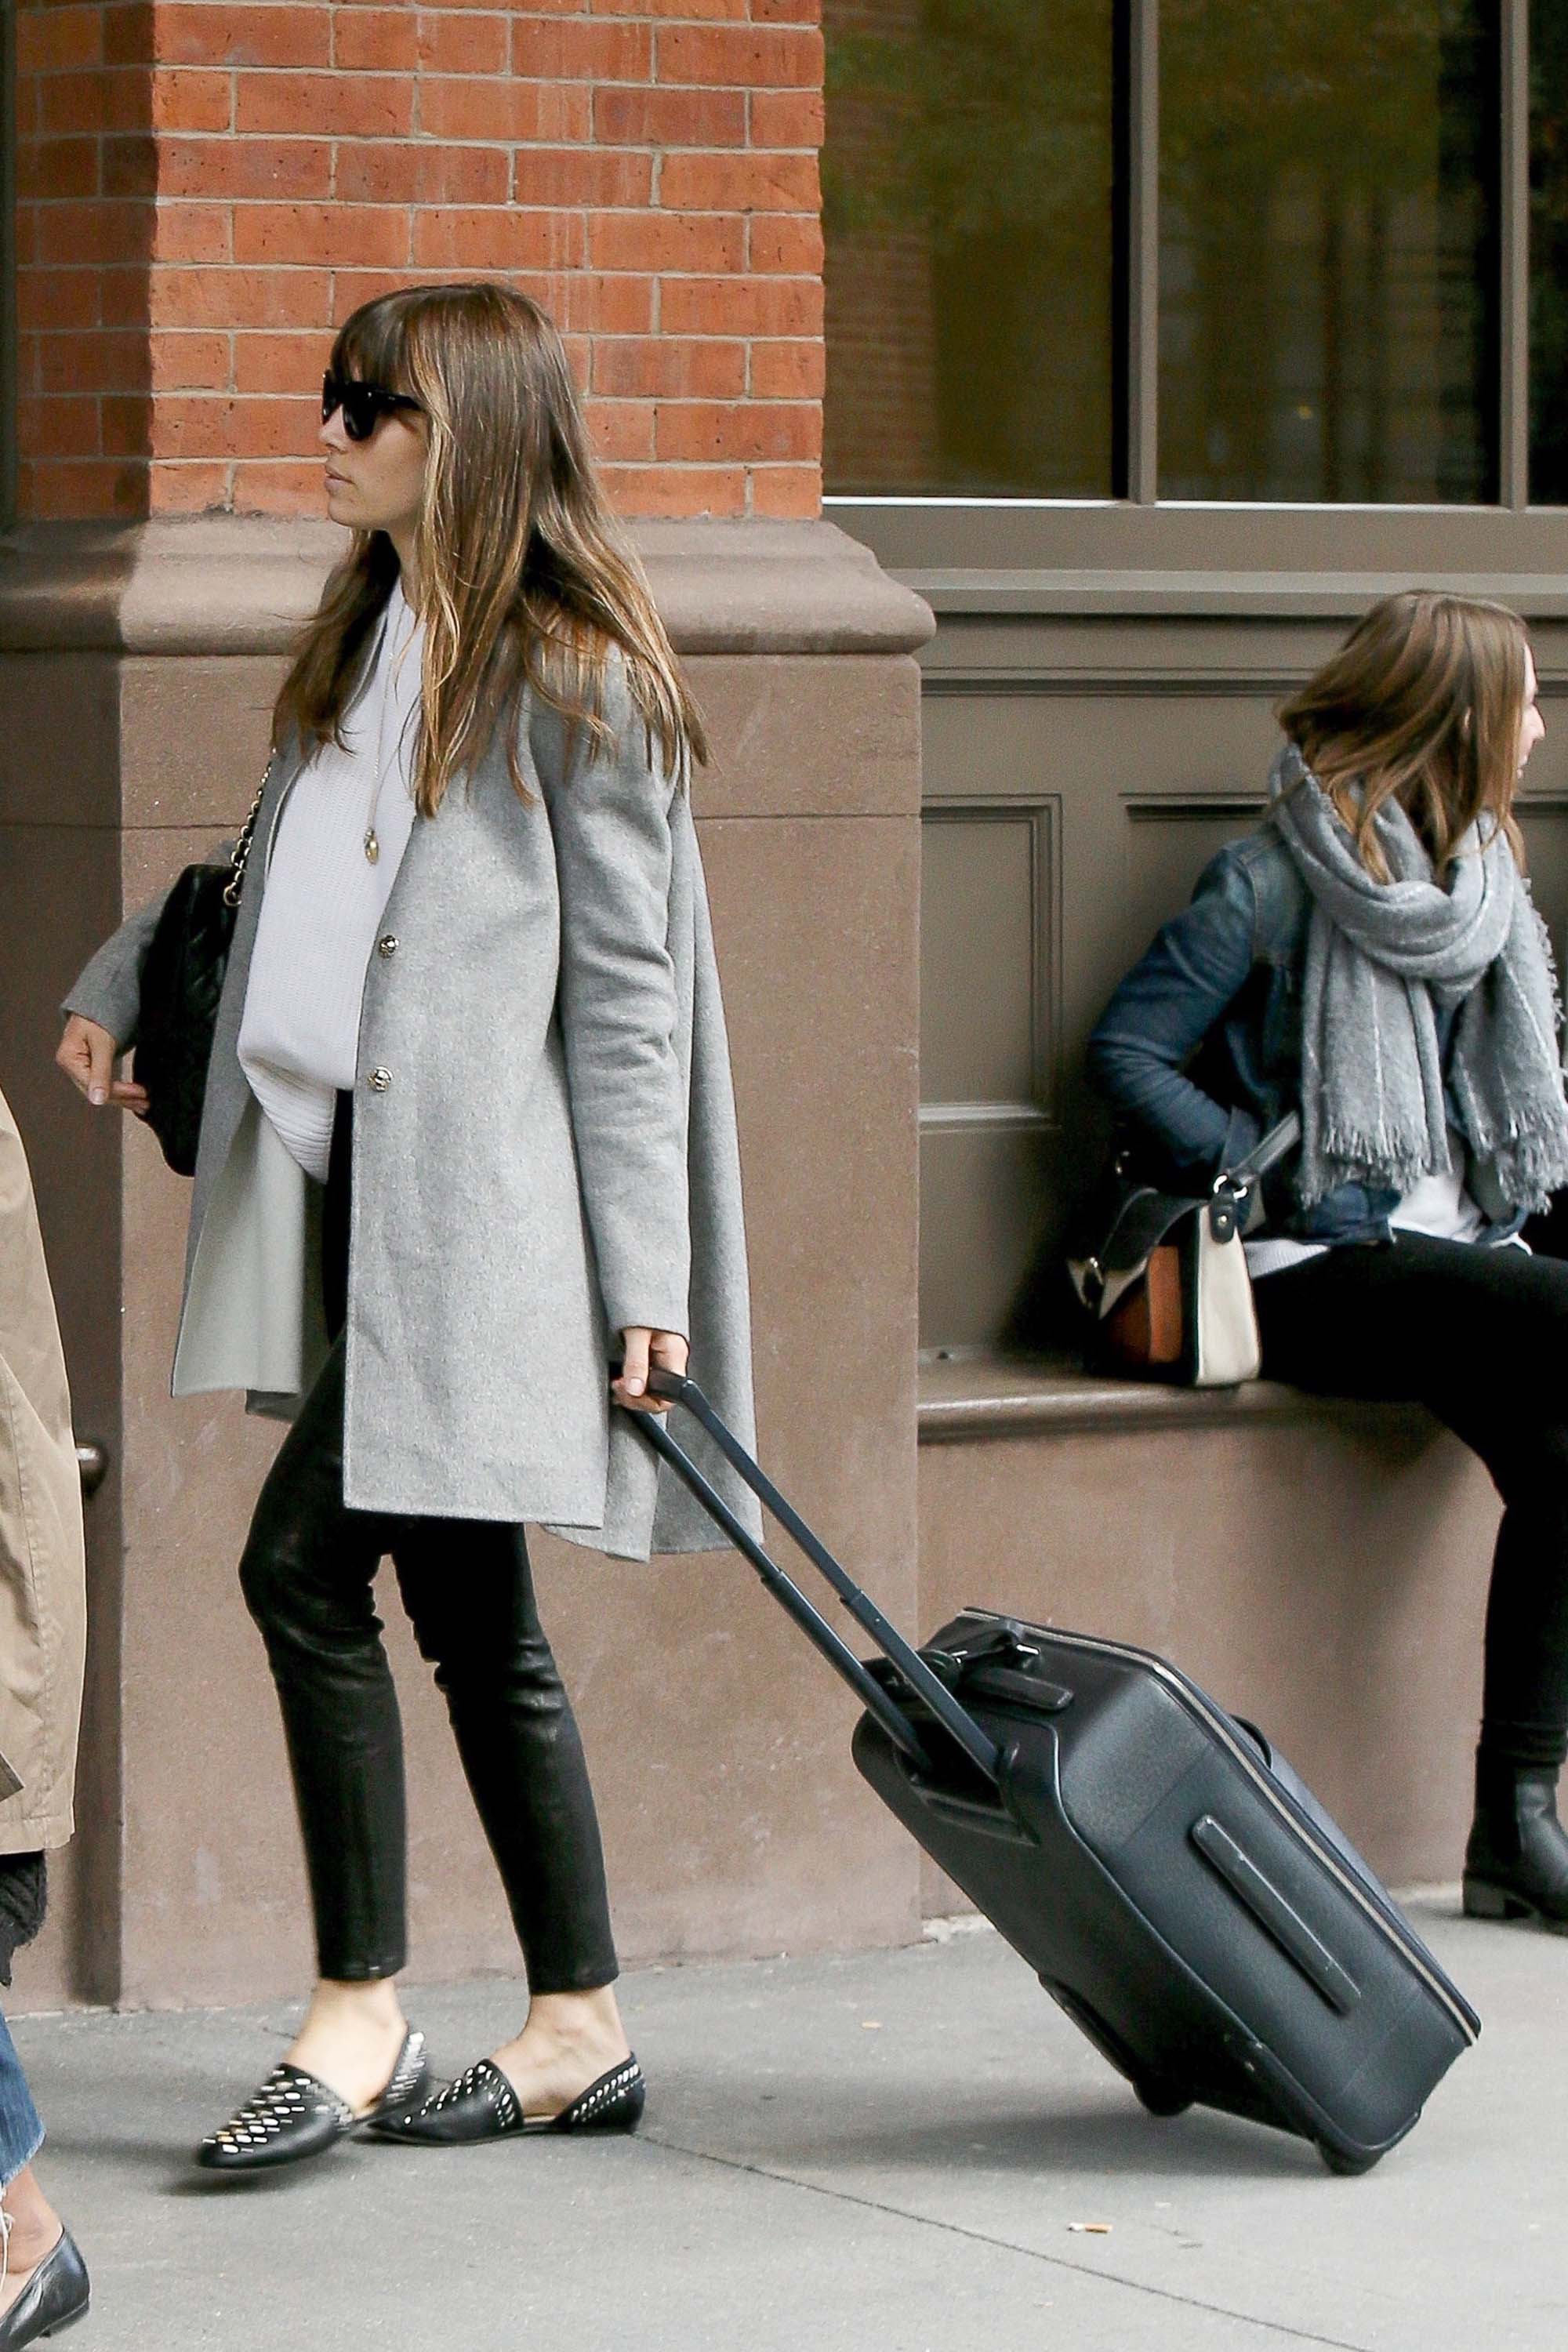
(544, 1151)
(43, 1595)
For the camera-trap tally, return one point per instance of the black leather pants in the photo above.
(1478, 1335)
(308, 1574)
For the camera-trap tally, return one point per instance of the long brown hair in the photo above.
(1423, 702)
(523, 580)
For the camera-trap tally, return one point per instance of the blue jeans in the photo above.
(21, 2129)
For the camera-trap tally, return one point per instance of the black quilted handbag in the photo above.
(181, 980)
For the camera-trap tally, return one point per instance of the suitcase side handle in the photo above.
(912, 1668)
(1276, 1914)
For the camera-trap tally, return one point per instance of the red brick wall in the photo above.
(205, 190)
(85, 172)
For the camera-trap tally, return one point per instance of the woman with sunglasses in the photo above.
(467, 1136)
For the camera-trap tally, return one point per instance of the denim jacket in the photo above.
(1200, 1048)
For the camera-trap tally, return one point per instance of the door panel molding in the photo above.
(1041, 812)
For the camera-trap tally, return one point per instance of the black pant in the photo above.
(1480, 1336)
(308, 1574)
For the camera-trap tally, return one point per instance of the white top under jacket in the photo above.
(1439, 1206)
(299, 1032)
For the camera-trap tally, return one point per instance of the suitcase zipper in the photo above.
(1263, 1780)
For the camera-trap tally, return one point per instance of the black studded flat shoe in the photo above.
(294, 2114)
(56, 2296)
(482, 2105)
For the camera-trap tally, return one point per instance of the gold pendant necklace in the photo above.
(371, 844)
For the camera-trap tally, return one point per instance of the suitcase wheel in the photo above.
(1346, 2164)
(1163, 2098)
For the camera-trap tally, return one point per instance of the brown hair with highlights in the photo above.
(524, 581)
(1423, 703)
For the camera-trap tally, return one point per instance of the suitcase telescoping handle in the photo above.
(906, 1660)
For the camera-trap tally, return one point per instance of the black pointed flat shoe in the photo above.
(56, 2296)
(294, 2114)
(482, 2105)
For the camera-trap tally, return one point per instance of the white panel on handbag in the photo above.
(1229, 1349)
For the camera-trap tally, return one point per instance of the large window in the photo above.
(968, 189)
(1549, 253)
(1198, 251)
(1328, 233)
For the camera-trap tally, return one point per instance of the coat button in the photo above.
(386, 945)
(380, 1080)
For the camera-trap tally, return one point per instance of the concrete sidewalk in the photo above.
(882, 2153)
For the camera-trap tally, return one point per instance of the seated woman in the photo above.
(1371, 957)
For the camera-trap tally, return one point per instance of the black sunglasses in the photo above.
(364, 404)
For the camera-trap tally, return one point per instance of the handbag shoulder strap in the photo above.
(239, 855)
(1266, 1153)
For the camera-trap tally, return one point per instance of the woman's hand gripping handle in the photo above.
(647, 1351)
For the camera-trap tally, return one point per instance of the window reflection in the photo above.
(1328, 270)
(1549, 254)
(967, 204)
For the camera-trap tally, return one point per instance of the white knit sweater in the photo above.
(324, 900)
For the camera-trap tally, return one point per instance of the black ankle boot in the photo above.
(1516, 1864)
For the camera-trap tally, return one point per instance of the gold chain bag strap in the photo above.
(182, 986)
(240, 853)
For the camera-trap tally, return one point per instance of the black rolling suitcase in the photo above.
(1176, 1887)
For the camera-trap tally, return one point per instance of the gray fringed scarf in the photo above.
(1380, 957)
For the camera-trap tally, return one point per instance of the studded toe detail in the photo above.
(481, 2085)
(291, 2114)
(409, 2085)
(480, 2103)
(615, 2102)
(294, 2114)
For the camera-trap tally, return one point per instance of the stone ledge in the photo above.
(1135, 593)
(1277, 547)
(239, 585)
(976, 1393)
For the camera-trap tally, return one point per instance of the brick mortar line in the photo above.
(508, 270)
(427, 72)
(464, 14)
(582, 210)
(464, 203)
(459, 140)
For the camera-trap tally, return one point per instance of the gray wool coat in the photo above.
(544, 1152)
